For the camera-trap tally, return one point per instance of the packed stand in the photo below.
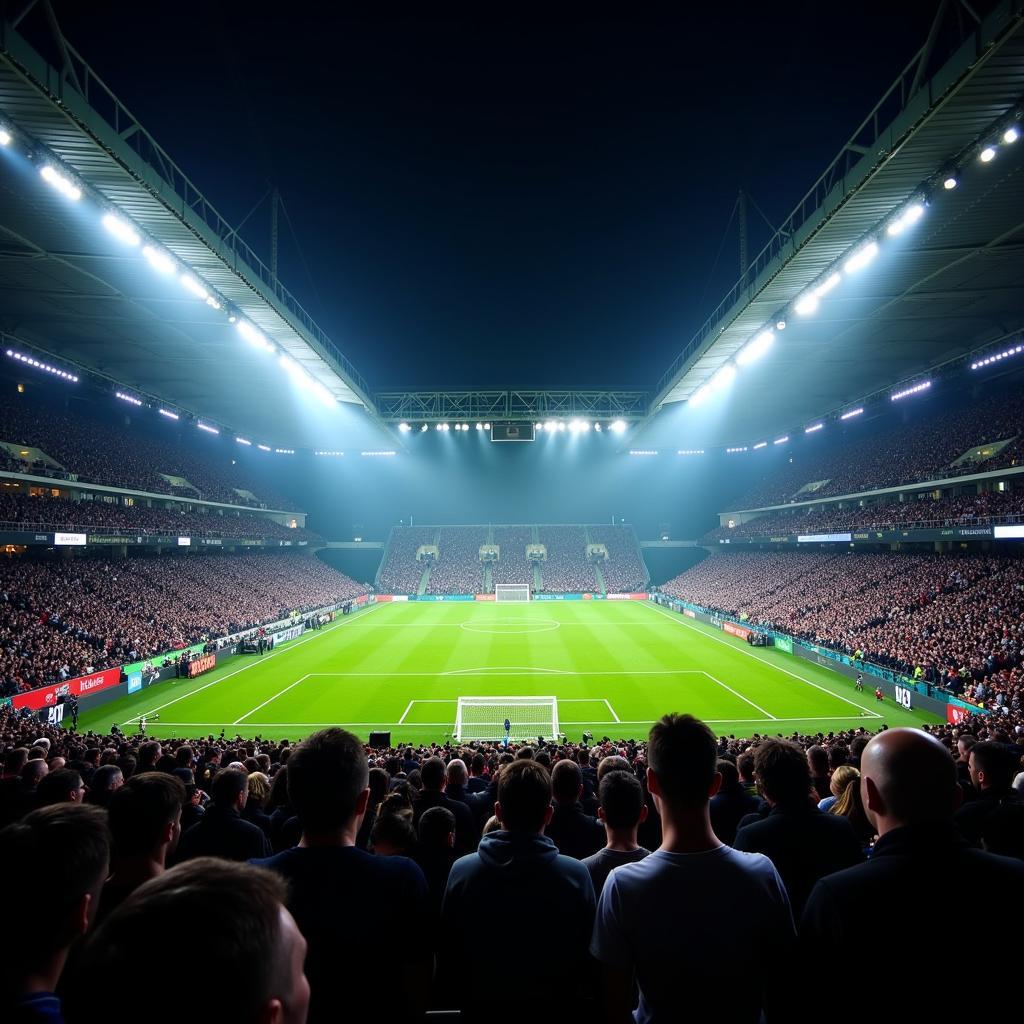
(634, 848)
(97, 452)
(566, 569)
(401, 572)
(458, 569)
(887, 453)
(62, 619)
(963, 510)
(953, 620)
(624, 571)
(22, 511)
(512, 565)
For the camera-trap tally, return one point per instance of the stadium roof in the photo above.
(69, 288)
(945, 286)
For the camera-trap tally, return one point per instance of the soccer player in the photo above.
(878, 694)
(859, 686)
(142, 725)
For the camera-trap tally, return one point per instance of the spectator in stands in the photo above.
(435, 852)
(910, 792)
(63, 785)
(518, 873)
(432, 775)
(145, 824)
(995, 819)
(222, 831)
(660, 921)
(802, 842)
(393, 835)
(477, 781)
(254, 962)
(105, 782)
(622, 810)
(54, 861)
(730, 804)
(817, 762)
(338, 892)
(574, 833)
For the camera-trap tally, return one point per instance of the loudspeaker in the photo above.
(380, 739)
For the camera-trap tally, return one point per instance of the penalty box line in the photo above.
(455, 700)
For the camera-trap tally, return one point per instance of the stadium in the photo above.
(660, 688)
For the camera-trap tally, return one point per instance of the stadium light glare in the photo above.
(597, 427)
(212, 302)
(128, 398)
(781, 440)
(760, 444)
(907, 218)
(487, 426)
(618, 427)
(690, 451)
(814, 428)
(780, 325)
(996, 357)
(332, 454)
(207, 428)
(264, 447)
(988, 154)
(807, 304)
(158, 260)
(242, 440)
(45, 367)
(404, 428)
(285, 451)
(561, 425)
(121, 230)
(850, 413)
(190, 284)
(424, 428)
(372, 455)
(861, 258)
(642, 451)
(738, 448)
(5, 137)
(437, 426)
(170, 415)
(479, 426)
(1011, 135)
(915, 390)
(753, 350)
(949, 182)
(63, 185)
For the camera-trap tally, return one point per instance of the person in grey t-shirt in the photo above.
(669, 922)
(622, 809)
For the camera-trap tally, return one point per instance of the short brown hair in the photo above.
(524, 792)
(142, 808)
(682, 753)
(782, 771)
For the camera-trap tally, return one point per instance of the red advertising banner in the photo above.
(689, 613)
(384, 597)
(483, 597)
(362, 599)
(203, 664)
(955, 715)
(627, 597)
(48, 696)
(731, 627)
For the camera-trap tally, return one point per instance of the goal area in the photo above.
(483, 718)
(511, 591)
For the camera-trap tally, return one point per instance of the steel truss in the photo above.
(511, 405)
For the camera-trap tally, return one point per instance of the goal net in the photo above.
(483, 718)
(511, 591)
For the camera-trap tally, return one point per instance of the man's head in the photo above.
(992, 767)
(963, 746)
(479, 762)
(65, 785)
(782, 772)
(34, 771)
(328, 781)
(437, 829)
(611, 763)
(566, 782)
(907, 777)
(817, 760)
(57, 859)
(524, 796)
(681, 758)
(432, 774)
(457, 773)
(255, 967)
(230, 789)
(145, 816)
(622, 802)
(14, 761)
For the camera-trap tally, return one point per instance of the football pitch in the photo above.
(614, 667)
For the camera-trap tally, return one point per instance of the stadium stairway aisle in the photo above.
(601, 588)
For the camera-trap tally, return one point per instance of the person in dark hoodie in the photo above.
(518, 870)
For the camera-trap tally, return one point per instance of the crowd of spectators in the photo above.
(623, 571)
(888, 452)
(22, 511)
(954, 620)
(566, 570)
(956, 510)
(401, 571)
(458, 569)
(512, 565)
(63, 618)
(94, 450)
(633, 849)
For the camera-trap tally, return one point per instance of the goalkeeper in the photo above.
(508, 730)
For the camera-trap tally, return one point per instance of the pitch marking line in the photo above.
(271, 700)
(513, 670)
(611, 711)
(756, 707)
(408, 708)
(779, 668)
(261, 661)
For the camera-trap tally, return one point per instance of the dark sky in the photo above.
(525, 202)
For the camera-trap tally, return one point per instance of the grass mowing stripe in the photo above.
(270, 700)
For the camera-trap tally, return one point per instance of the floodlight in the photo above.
(170, 415)
(487, 426)
(753, 350)
(861, 258)
(551, 426)
(849, 414)
(950, 182)
(242, 440)
(1011, 135)
(63, 185)
(424, 428)
(988, 154)
(404, 428)
(207, 428)
(916, 389)
(255, 338)
(597, 427)
(760, 444)
(561, 425)
(807, 304)
(479, 426)
(780, 325)
(781, 440)
(538, 427)
(158, 260)
(618, 427)
(814, 428)
(264, 447)
(192, 285)
(5, 137)
(121, 229)
(128, 398)
(437, 426)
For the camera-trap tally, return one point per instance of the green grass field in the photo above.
(614, 668)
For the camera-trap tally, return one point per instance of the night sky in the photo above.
(527, 202)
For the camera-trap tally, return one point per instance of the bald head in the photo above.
(457, 773)
(907, 777)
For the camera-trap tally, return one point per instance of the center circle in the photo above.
(506, 627)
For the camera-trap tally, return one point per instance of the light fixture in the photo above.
(561, 425)
(285, 451)
(424, 428)
(781, 440)
(850, 413)
(814, 428)
(377, 454)
(5, 137)
(1011, 135)
(264, 447)
(949, 182)
(997, 357)
(861, 258)
(987, 154)
(170, 415)
(121, 229)
(128, 398)
(255, 337)
(756, 348)
(45, 367)
(438, 426)
(487, 426)
(479, 426)
(910, 216)
(916, 389)
(190, 284)
(242, 440)
(733, 451)
(207, 428)
(404, 428)
(807, 304)
(597, 427)
(780, 325)
(618, 427)
(642, 451)
(64, 186)
(690, 451)
(332, 454)
(760, 444)
(551, 426)
(158, 259)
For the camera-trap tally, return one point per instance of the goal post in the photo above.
(511, 591)
(483, 718)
